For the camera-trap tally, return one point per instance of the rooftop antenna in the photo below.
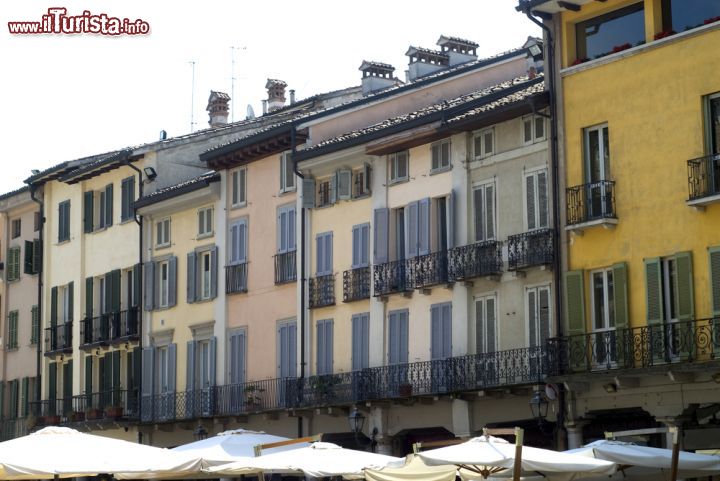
(192, 98)
(232, 81)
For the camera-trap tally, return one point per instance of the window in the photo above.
(238, 242)
(164, 284)
(398, 337)
(326, 192)
(162, 233)
(536, 200)
(323, 253)
(712, 125)
(202, 274)
(103, 208)
(238, 356)
(361, 246)
(681, 15)
(603, 300)
(398, 163)
(34, 325)
(287, 172)
(36, 221)
(127, 194)
(239, 187)
(12, 334)
(204, 360)
(597, 170)
(287, 349)
(205, 275)
(538, 315)
(205, 222)
(344, 184)
(361, 181)
(33, 256)
(16, 228)
(13, 264)
(486, 330)
(160, 283)
(533, 129)
(484, 213)
(417, 228)
(64, 221)
(440, 152)
(484, 143)
(360, 341)
(286, 229)
(163, 369)
(441, 331)
(602, 35)
(324, 347)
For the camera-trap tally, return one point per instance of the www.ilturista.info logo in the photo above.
(57, 21)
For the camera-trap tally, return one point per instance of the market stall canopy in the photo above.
(413, 469)
(318, 460)
(67, 453)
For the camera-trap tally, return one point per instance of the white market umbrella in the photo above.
(318, 460)
(413, 469)
(66, 453)
(651, 463)
(488, 455)
(229, 446)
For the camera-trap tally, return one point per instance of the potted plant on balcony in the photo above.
(253, 397)
(405, 389)
(51, 420)
(323, 387)
(75, 416)
(114, 411)
(93, 413)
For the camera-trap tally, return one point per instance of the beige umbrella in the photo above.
(413, 469)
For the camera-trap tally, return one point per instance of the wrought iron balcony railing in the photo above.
(389, 278)
(322, 291)
(110, 328)
(236, 277)
(285, 267)
(704, 177)
(356, 284)
(639, 347)
(591, 202)
(475, 260)
(58, 339)
(13, 428)
(426, 270)
(534, 248)
(109, 405)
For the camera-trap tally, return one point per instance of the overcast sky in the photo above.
(67, 96)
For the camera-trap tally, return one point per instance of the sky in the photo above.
(63, 97)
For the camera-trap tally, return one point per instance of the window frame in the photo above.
(710, 149)
(483, 186)
(440, 166)
(526, 297)
(285, 158)
(238, 178)
(535, 173)
(16, 228)
(204, 275)
(534, 138)
(163, 284)
(166, 233)
(480, 134)
(394, 178)
(608, 323)
(64, 221)
(484, 298)
(581, 53)
(205, 217)
(127, 198)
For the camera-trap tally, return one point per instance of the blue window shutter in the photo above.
(356, 321)
(234, 243)
(148, 374)
(190, 369)
(393, 339)
(356, 256)
(381, 243)
(319, 255)
(191, 277)
(149, 285)
(436, 332)
(172, 281)
(403, 337)
(365, 245)
(447, 330)
(213, 272)
(291, 219)
(411, 229)
(329, 253)
(172, 367)
(329, 346)
(213, 360)
(282, 230)
(308, 192)
(451, 220)
(424, 227)
(242, 241)
(365, 340)
(320, 351)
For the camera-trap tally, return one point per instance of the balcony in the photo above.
(322, 291)
(426, 270)
(58, 339)
(389, 278)
(13, 428)
(111, 405)
(704, 180)
(530, 249)
(590, 205)
(285, 267)
(236, 278)
(475, 260)
(356, 284)
(644, 347)
(110, 328)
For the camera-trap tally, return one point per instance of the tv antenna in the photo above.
(192, 98)
(232, 81)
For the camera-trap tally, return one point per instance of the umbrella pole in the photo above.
(518, 454)
(675, 454)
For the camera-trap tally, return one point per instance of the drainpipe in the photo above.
(38, 360)
(293, 146)
(554, 161)
(138, 219)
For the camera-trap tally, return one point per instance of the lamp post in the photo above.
(539, 406)
(200, 432)
(357, 421)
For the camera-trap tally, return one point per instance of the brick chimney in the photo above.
(376, 76)
(276, 94)
(217, 108)
(458, 50)
(424, 61)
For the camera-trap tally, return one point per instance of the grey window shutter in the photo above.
(89, 282)
(356, 247)
(451, 219)
(356, 322)
(136, 284)
(403, 334)
(446, 311)
(320, 255)
(544, 315)
(653, 292)
(149, 285)
(71, 300)
(491, 325)
(436, 333)
(575, 302)
(532, 317)
(190, 369)
(88, 212)
(490, 211)
(344, 184)
(393, 339)
(332, 196)
(480, 327)
(530, 201)
(148, 374)
(714, 258)
(365, 340)
(424, 227)
(214, 272)
(329, 346)
(88, 374)
(365, 245)
(622, 318)
(234, 243)
(53, 306)
(367, 178)
(308, 191)
(282, 230)
(435, 156)
(234, 342)
(172, 367)
(411, 229)
(684, 298)
(172, 281)
(115, 370)
(329, 253)
(213, 360)
(191, 277)
(291, 228)
(242, 234)
(381, 241)
(321, 346)
(542, 200)
(109, 205)
(242, 356)
(477, 214)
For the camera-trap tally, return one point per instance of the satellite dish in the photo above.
(250, 113)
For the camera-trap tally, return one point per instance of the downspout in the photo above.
(138, 219)
(293, 146)
(38, 360)
(554, 161)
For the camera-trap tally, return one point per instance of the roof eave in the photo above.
(186, 189)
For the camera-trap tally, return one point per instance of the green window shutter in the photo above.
(28, 264)
(653, 291)
(88, 376)
(89, 284)
(684, 298)
(71, 300)
(24, 396)
(16, 262)
(53, 306)
(115, 291)
(621, 295)
(108, 205)
(14, 399)
(714, 258)
(88, 211)
(35, 325)
(575, 302)
(36, 256)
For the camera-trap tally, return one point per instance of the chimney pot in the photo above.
(276, 94)
(292, 96)
(217, 108)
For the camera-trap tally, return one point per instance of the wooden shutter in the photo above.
(478, 203)
(71, 300)
(149, 285)
(109, 205)
(450, 206)
(320, 367)
(53, 306)
(356, 247)
(28, 264)
(319, 255)
(68, 379)
(530, 201)
(424, 227)
(446, 315)
(344, 184)
(213, 272)
(490, 326)
(490, 211)
(308, 192)
(115, 371)
(282, 230)
(191, 277)
(436, 341)
(532, 309)
(411, 229)
(714, 259)
(684, 298)
(37, 256)
(172, 367)
(88, 213)
(242, 241)
(213, 360)
(543, 314)
(172, 281)
(190, 368)
(148, 371)
(237, 357)
(393, 339)
(575, 302)
(332, 194)
(115, 291)
(381, 243)
(356, 355)
(89, 284)
(403, 336)
(542, 200)
(25, 401)
(136, 285)
(480, 323)
(88, 376)
(653, 291)
(365, 245)
(34, 325)
(234, 243)
(622, 319)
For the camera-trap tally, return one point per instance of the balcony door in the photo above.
(713, 142)
(603, 313)
(597, 169)
(287, 360)
(486, 341)
(398, 352)
(537, 301)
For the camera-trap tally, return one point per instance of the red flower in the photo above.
(711, 20)
(579, 61)
(620, 48)
(664, 33)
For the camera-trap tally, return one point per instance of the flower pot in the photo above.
(114, 412)
(93, 413)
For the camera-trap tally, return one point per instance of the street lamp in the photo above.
(356, 420)
(200, 432)
(539, 406)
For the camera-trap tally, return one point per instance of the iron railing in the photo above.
(51, 411)
(110, 328)
(13, 428)
(356, 284)
(236, 278)
(109, 405)
(475, 260)
(285, 267)
(125, 325)
(389, 278)
(534, 248)
(426, 270)
(58, 338)
(638, 347)
(704, 176)
(322, 291)
(589, 202)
